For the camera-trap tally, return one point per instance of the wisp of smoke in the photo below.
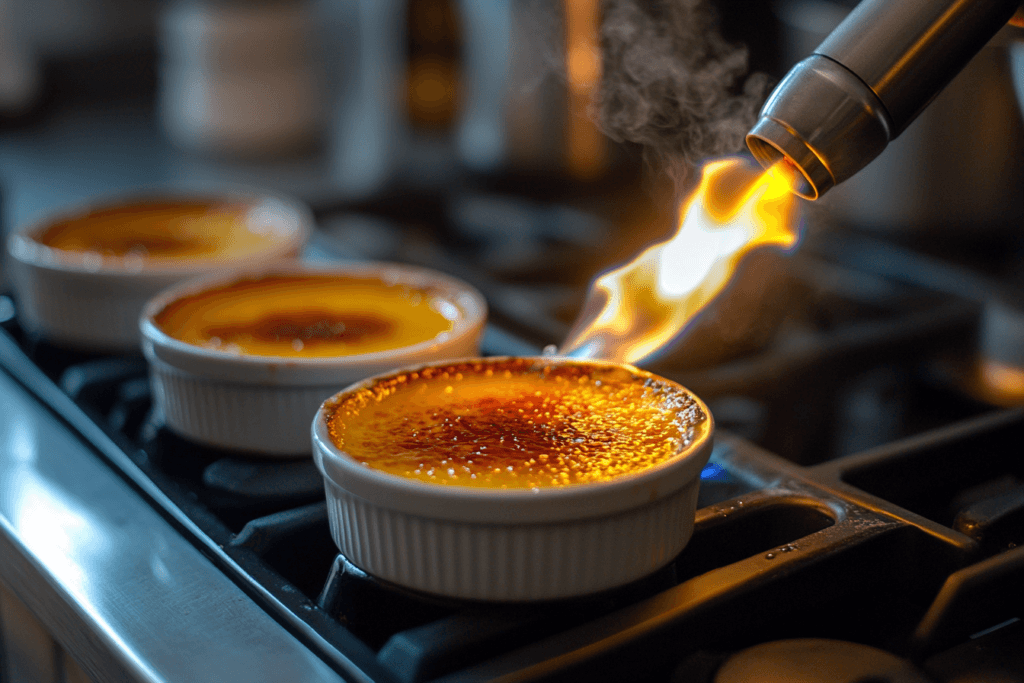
(673, 84)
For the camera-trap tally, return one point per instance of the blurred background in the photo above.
(349, 99)
(461, 134)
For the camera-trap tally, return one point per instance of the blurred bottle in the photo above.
(425, 93)
(433, 78)
(240, 78)
(586, 147)
(482, 138)
(368, 131)
(533, 70)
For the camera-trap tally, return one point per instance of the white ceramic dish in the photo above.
(263, 404)
(83, 300)
(512, 544)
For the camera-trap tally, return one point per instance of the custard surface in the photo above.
(164, 231)
(516, 424)
(308, 316)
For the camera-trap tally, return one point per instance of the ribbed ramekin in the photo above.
(263, 404)
(84, 301)
(509, 545)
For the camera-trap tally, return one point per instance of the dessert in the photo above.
(82, 278)
(165, 231)
(517, 423)
(512, 479)
(243, 360)
(309, 315)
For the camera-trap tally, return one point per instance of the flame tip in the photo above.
(653, 298)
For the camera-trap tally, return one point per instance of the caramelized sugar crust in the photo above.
(516, 423)
(308, 315)
(163, 230)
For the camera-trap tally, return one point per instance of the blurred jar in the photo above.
(240, 78)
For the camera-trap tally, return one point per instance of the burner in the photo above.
(911, 547)
(817, 660)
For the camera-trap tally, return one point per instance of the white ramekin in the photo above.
(509, 545)
(84, 301)
(263, 404)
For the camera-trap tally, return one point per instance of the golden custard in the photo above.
(308, 315)
(164, 230)
(516, 423)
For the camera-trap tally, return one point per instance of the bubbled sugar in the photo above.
(516, 423)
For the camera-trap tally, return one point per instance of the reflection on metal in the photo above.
(115, 584)
(27, 653)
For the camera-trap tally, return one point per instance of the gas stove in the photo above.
(859, 494)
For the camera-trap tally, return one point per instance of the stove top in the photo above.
(858, 496)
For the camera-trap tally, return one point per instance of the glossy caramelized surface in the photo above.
(516, 423)
(308, 315)
(164, 230)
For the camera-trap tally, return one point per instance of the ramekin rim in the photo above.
(415, 491)
(155, 339)
(22, 246)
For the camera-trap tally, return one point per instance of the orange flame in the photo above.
(636, 309)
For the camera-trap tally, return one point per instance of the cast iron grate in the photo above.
(909, 548)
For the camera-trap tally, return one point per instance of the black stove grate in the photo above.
(910, 547)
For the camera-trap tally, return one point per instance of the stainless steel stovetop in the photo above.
(859, 493)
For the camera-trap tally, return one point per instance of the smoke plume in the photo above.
(673, 84)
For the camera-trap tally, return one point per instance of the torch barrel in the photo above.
(838, 109)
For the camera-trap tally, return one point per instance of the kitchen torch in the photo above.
(837, 110)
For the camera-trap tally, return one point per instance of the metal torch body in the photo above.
(837, 109)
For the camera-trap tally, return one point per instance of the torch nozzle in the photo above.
(823, 121)
(837, 110)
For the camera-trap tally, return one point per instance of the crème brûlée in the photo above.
(516, 423)
(162, 230)
(309, 315)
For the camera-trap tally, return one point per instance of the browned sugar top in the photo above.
(310, 326)
(307, 315)
(163, 230)
(516, 423)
